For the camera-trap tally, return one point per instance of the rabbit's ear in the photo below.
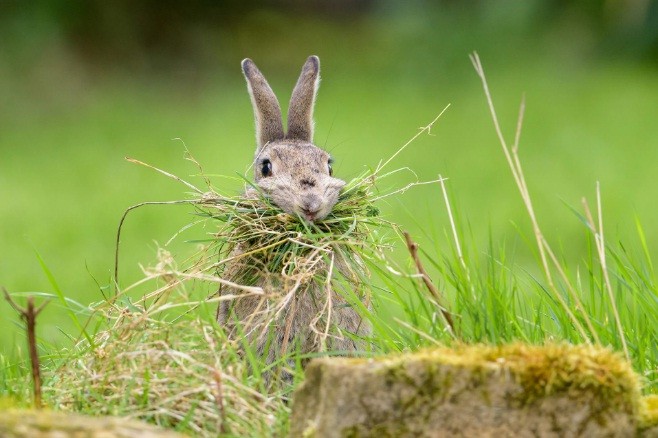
(267, 112)
(300, 113)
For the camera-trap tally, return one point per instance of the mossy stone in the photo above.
(649, 416)
(514, 390)
(23, 423)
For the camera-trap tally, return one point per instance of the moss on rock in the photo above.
(20, 423)
(513, 390)
(648, 416)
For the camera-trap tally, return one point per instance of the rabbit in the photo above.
(296, 175)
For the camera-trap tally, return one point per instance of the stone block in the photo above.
(471, 391)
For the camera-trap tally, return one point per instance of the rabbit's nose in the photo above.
(307, 183)
(311, 204)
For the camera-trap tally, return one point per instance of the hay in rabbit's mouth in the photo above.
(277, 242)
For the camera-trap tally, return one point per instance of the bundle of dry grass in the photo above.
(296, 285)
(281, 244)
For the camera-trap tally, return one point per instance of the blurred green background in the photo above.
(85, 83)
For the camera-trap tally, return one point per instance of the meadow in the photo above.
(64, 182)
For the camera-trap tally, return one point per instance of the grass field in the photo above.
(64, 183)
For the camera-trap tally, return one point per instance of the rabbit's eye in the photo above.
(266, 169)
(331, 169)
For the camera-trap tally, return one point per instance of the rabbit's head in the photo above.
(294, 173)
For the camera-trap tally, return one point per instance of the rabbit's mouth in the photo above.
(309, 215)
(311, 207)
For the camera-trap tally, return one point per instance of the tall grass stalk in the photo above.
(514, 163)
(601, 251)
